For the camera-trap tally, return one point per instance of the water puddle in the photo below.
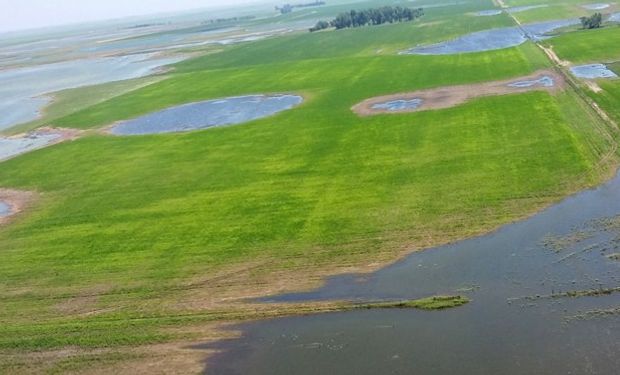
(5, 209)
(524, 318)
(493, 39)
(596, 6)
(207, 114)
(23, 143)
(21, 89)
(398, 105)
(545, 81)
(450, 96)
(615, 17)
(491, 12)
(525, 8)
(592, 71)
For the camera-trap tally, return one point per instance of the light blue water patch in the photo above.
(13, 146)
(592, 71)
(21, 89)
(596, 6)
(525, 8)
(614, 17)
(544, 81)
(493, 39)
(491, 12)
(207, 114)
(5, 209)
(540, 30)
(399, 105)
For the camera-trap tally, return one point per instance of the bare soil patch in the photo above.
(450, 96)
(17, 200)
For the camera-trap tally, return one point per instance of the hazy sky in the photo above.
(26, 14)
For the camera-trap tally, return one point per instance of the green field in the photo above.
(137, 240)
(586, 46)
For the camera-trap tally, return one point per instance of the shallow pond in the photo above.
(487, 40)
(544, 81)
(596, 6)
(525, 8)
(592, 71)
(202, 115)
(14, 146)
(512, 325)
(5, 209)
(398, 105)
(614, 17)
(21, 89)
(491, 12)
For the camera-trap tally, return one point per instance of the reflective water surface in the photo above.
(520, 320)
(208, 114)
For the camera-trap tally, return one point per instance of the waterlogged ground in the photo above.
(227, 111)
(398, 105)
(596, 6)
(5, 209)
(592, 71)
(493, 39)
(17, 145)
(21, 89)
(522, 318)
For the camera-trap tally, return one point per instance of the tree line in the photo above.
(593, 22)
(376, 16)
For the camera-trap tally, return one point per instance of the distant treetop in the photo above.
(375, 16)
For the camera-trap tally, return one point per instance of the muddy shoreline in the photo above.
(450, 96)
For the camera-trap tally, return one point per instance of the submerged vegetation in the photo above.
(378, 16)
(429, 303)
(114, 255)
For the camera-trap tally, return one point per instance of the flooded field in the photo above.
(22, 90)
(596, 6)
(211, 113)
(525, 8)
(487, 40)
(491, 12)
(450, 96)
(5, 209)
(592, 71)
(398, 105)
(544, 301)
(21, 144)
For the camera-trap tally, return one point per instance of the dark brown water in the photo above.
(510, 327)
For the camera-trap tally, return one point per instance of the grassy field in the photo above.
(556, 9)
(144, 241)
(588, 45)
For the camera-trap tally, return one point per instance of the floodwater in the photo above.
(14, 146)
(512, 325)
(399, 105)
(544, 81)
(491, 12)
(596, 6)
(525, 8)
(211, 113)
(493, 39)
(21, 89)
(5, 209)
(614, 17)
(592, 71)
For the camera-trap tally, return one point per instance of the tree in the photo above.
(593, 22)
(321, 25)
(377, 16)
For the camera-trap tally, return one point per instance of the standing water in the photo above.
(5, 209)
(522, 318)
